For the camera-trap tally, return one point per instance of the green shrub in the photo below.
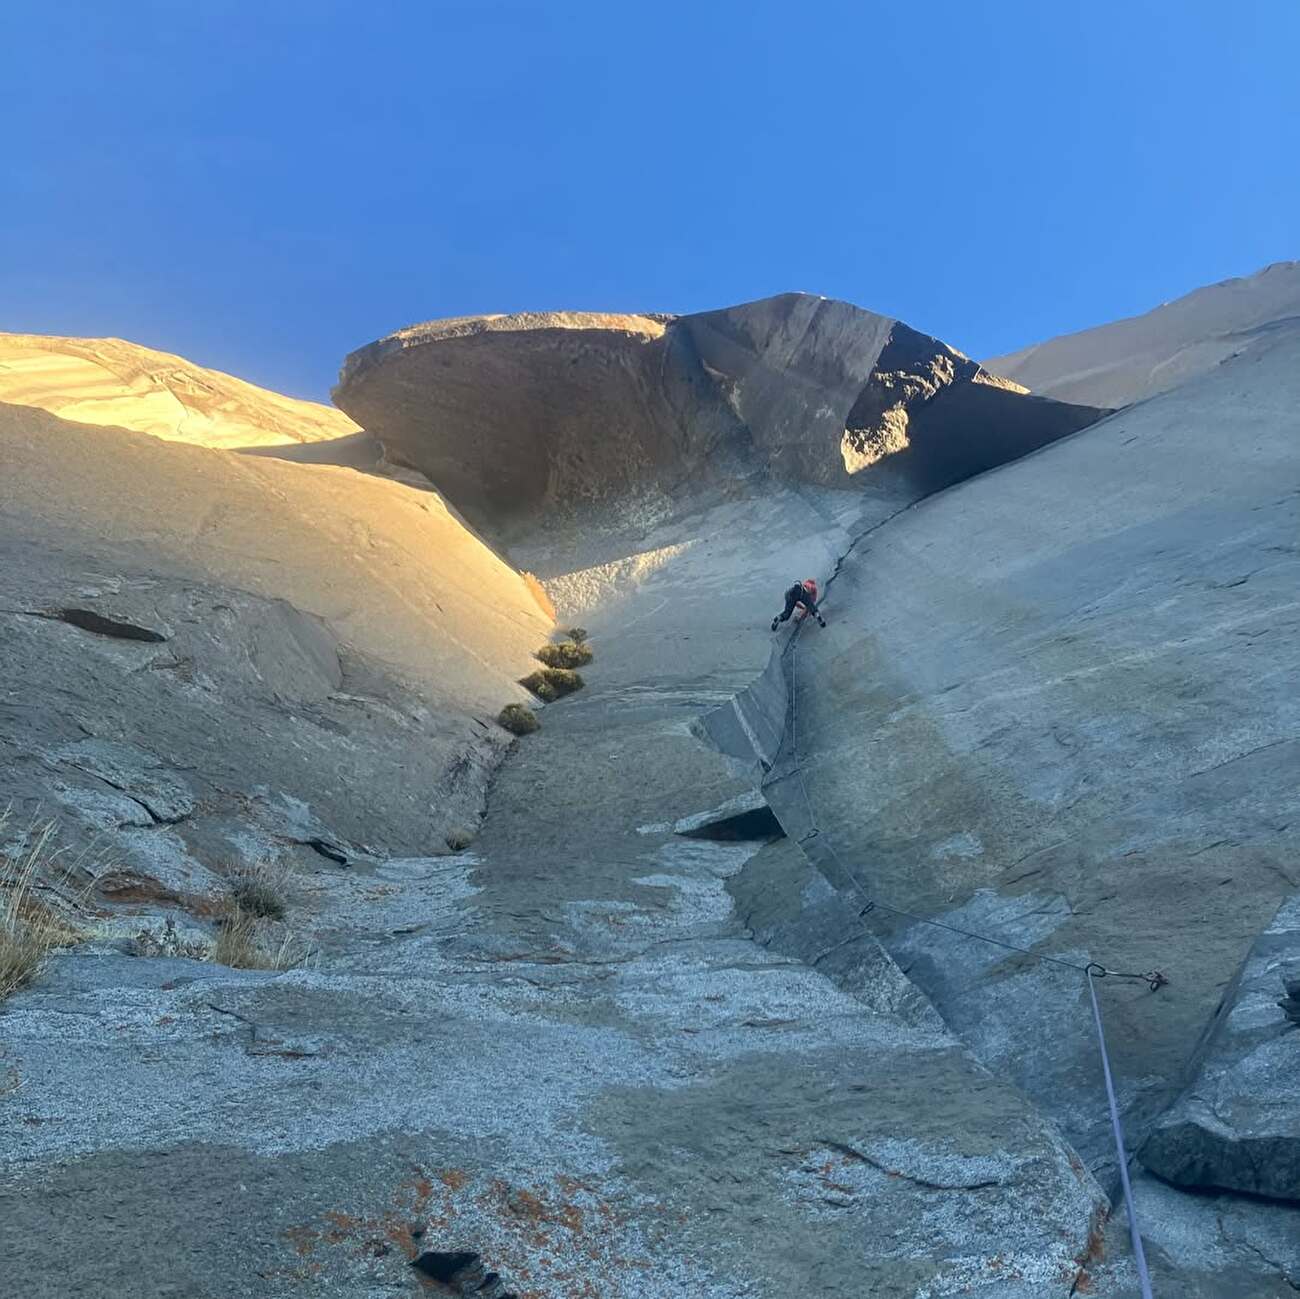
(578, 634)
(540, 686)
(567, 654)
(552, 683)
(518, 720)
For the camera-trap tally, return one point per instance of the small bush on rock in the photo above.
(567, 654)
(552, 683)
(459, 839)
(578, 634)
(261, 891)
(518, 720)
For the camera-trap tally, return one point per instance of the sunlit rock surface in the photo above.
(1127, 360)
(109, 381)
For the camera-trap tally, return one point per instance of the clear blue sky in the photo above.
(263, 185)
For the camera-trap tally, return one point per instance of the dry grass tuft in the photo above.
(549, 684)
(458, 839)
(262, 891)
(518, 720)
(567, 654)
(29, 931)
(538, 592)
(244, 944)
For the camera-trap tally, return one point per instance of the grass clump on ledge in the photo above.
(549, 684)
(28, 930)
(458, 839)
(567, 654)
(578, 634)
(243, 944)
(260, 891)
(518, 719)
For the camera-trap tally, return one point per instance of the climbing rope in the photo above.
(1092, 971)
(1117, 1131)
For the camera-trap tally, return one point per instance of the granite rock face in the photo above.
(213, 661)
(1237, 1126)
(1053, 707)
(560, 1060)
(559, 1064)
(641, 1040)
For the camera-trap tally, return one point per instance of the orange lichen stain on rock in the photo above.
(303, 1240)
(1093, 1252)
(342, 1226)
(527, 1205)
(556, 1236)
(419, 1187)
(376, 1235)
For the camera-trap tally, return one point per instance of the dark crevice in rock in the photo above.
(149, 811)
(327, 850)
(758, 823)
(461, 1272)
(89, 620)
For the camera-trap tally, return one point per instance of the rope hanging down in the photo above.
(1092, 971)
(1117, 1131)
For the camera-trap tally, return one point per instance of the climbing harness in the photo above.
(1092, 971)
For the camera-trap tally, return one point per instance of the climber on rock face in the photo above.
(801, 593)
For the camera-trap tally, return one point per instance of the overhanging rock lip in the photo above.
(651, 325)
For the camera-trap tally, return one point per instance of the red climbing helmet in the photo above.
(810, 585)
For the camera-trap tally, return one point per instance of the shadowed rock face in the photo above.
(517, 417)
